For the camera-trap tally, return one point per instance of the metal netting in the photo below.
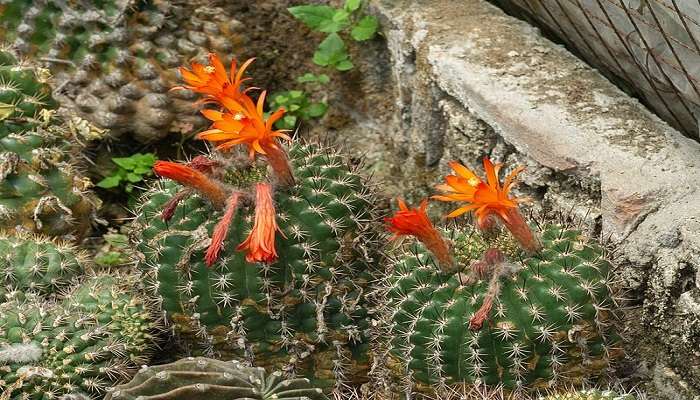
(653, 45)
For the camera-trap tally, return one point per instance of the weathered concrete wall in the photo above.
(471, 81)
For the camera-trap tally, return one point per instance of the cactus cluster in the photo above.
(203, 378)
(41, 189)
(115, 60)
(38, 265)
(306, 311)
(550, 321)
(94, 338)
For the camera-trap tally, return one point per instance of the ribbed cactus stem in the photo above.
(515, 223)
(279, 162)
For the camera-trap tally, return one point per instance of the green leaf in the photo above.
(331, 51)
(344, 65)
(317, 110)
(280, 99)
(133, 178)
(323, 78)
(294, 107)
(365, 29)
(307, 77)
(110, 182)
(295, 94)
(141, 170)
(125, 162)
(352, 5)
(313, 16)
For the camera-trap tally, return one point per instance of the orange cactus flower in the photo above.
(213, 81)
(488, 199)
(190, 177)
(260, 243)
(245, 123)
(415, 222)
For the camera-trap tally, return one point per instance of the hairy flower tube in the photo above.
(415, 222)
(260, 243)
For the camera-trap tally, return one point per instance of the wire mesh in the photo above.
(653, 45)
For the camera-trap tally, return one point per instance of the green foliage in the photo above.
(130, 170)
(332, 51)
(311, 78)
(114, 252)
(200, 378)
(298, 107)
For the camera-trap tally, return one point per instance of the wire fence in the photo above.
(653, 45)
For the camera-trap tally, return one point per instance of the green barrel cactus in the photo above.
(548, 319)
(96, 337)
(305, 311)
(208, 379)
(41, 189)
(590, 394)
(117, 59)
(38, 265)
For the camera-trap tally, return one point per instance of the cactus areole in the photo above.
(263, 253)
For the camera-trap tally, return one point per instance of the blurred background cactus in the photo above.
(205, 378)
(115, 61)
(41, 189)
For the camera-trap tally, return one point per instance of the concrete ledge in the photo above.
(471, 79)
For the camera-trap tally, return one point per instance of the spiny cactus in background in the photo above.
(208, 379)
(115, 60)
(520, 319)
(269, 265)
(40, 188)
(96, 337)
(590, 394)
(38, 265)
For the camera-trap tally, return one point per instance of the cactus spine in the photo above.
(589, 394)
(204, 378)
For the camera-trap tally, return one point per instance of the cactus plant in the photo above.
(204, 378)
(38, 265)
(116, 59)
(40, 188)
(520, 311)
(266, 257)
(589, 394)
(96, 337)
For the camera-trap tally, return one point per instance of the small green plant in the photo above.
(332, 51)
(297, 103)
(130, 170)
(114, 252)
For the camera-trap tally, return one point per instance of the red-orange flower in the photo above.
(190, 177)
(484, 198)
(415, 222)
(260, 243)
(244, 123)
(213, 81)
(488, 199)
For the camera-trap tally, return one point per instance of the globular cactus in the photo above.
(529, 310)
(38, 265)
(550, 322)
(590, 394)
(115, 60)
(41, 189)
(304, 311)
(96, 337)
(205, 378)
